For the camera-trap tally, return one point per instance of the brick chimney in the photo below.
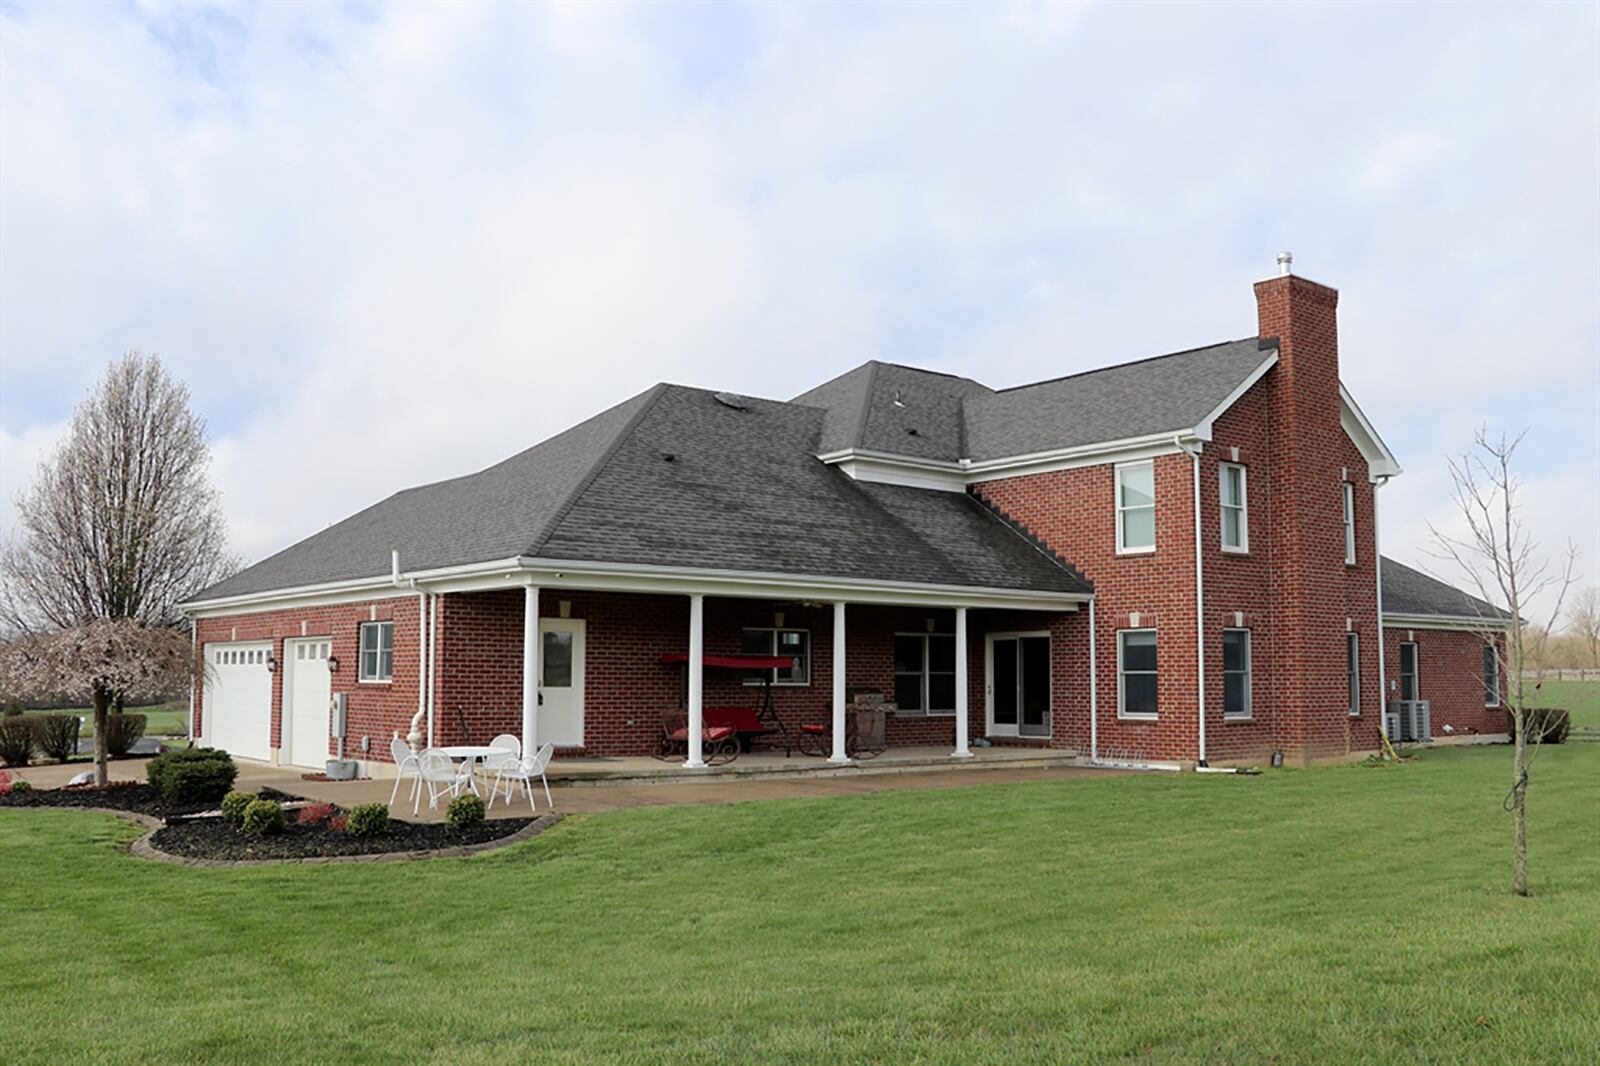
(1306, 521)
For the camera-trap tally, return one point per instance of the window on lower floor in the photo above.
(377, 651)
(925, 673)
(1491, 676)
(1352, 671)
(794, 643)
(1408, 671)
(1136, 673)
(1236, 673)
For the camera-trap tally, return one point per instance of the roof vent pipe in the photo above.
(1285, 262)
(394, 565)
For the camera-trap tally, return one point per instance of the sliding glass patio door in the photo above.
(1018, 689)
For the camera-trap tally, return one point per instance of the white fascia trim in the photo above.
(1443, 621)
(380, 587)
(1203, 428)
(1381, 462)
(954, 476)
(578, 574)
(920, 474)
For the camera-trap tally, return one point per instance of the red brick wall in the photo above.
(1074, 512)
(375, 710)
(1449, 677)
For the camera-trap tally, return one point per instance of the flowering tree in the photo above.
(98, 661)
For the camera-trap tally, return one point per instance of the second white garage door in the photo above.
(306, 687)
(237, 694)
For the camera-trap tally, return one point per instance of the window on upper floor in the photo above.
(1232, 502)
(1136, 507)
(1349, 523)
(377, 652)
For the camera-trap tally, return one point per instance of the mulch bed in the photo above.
(138, 797)
(212, 838)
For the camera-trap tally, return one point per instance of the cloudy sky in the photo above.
(388, 244)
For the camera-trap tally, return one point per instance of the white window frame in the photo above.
(1491, 655)
(1249, 680)
(1349, 505)
(1352, 672)
(1242, 506)
(927, 675)
(772, 644)
(378, 677)
(1122, 675)
(1119, 468)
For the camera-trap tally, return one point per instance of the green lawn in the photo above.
(1580, 698)
(161, 720)
(1335, 914)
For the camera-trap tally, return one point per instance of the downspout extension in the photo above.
(1193, 450)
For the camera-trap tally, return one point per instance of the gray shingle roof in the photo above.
(899, 410)
(1408, 591)
(742, 490)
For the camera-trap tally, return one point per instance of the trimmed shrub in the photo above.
(1546, 725)
(122, 731)
(367, 820)
(193, 775)
(57, 735)
(465, 810)
(262, 817)
(19, 785)
(16, 741)
(315, 813)
(233, 805)
(13, 709)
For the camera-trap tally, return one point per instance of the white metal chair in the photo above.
(524, 770)
(440, 775)
(405, 765)
(510, 751)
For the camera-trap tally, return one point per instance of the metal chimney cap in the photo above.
(1285, 261)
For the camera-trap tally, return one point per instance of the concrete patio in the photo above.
(583, 785)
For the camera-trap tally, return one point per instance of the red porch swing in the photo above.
(726, 731)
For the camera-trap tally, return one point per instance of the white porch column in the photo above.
(697, 669)
(530, 669)
(962, 751)
(838, 756)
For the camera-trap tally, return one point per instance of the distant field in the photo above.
(161, 720)
(1580, 698)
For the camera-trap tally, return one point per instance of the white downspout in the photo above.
(1094, 681)
(194, 650)
(1199, 597)
(1377, 571)
(433, 659)
(414, 734)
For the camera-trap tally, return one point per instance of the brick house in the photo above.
(1173, 559)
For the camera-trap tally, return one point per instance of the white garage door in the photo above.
(306, 688)
(238, 699)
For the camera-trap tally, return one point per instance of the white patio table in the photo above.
(470, 754)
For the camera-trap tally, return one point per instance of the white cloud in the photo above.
(398, 244)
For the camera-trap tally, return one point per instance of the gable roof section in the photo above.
(895, 410)
(1167, 394)
(1411, 593)
(742, 491)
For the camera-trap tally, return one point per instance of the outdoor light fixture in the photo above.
(272, 664)
(333, 664)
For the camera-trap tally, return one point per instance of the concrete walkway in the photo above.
(578, 798)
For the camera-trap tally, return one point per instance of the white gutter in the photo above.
(1094, 680)
(1199, 600)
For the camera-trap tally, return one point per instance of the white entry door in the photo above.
(561, 682)
(236, 699)
(307, 687)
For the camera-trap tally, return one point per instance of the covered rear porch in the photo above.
(597, 670)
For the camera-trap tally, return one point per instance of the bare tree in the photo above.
(90, 661)
(1584, 619)
(1502, 560)
(121, 522)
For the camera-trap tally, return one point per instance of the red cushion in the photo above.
(710, 732)
(813, 729)
(739, 719)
